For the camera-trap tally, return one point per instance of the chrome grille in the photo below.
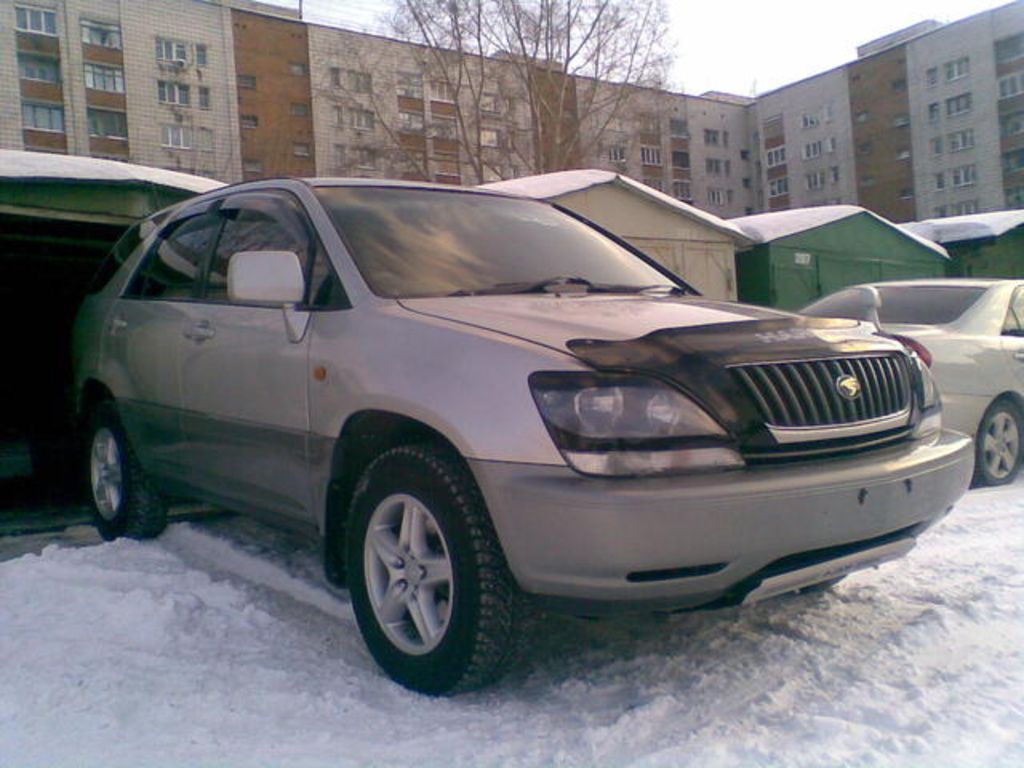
(805, 393)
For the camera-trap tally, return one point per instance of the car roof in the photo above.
(966, 282)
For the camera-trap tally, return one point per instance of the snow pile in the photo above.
(218, 645)
(15, 164)
(766, 227)
(973, 226)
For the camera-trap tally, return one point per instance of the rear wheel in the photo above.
(435, 601)
(998, 445)
(124, 503)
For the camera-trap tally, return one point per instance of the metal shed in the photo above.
(59, 215)
(697, 246)
(805, 253)
(979, 244)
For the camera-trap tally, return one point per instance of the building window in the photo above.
(958, 105)
(745, 154)
(1015, 197)
(649, 123)
(409, 84)
(903, 154)
(1011, 85)
(36, 20)
(938, 211)
(42, 117)
(249, 121)
(489, 137)
(653, 182)
(681, 189)
(964, 176)
(678, 129)
(101, 78)
(716, 196)
(1010, 48)
(359, 82)
(103, 35)
(714, 166)
(815, 180)
(246, 82)
(298, 109)
(107, 125)
(964, 207)
(442, 90)
(650, 155)
(901, 121)
(362, 119)
(365, 157)
(490, 103)
(899, 84)
(1013, 161)
(680, 159)
(411, 122)
(300, 149)
(812, 150)
(865, 147)
(834, 171)
(907, 193)
(176, 136)
(957, 69)
(297, 69)
(711, 137)
(933, 112)
(173, 93)
(617, 154)
(171, 51)
(961, 140)
(774, 157)
(40, 68)
(252, 167)
(940, 180)
(204, 140)
(1012, 124)
(862, 117)
(778, 187)
(204, 97)
(810, 121)
(931, 77)
(335, 77)
(202, 55)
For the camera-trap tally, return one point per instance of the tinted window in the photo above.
(914, 305)
(1014, 323)
(414, 242)
(270, 222)
(172, 268)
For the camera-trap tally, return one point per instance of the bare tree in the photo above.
(573, 65)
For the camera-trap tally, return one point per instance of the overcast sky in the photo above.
(740, 46)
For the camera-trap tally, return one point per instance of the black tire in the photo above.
(997, 446)
(484, 612)
(137, 510)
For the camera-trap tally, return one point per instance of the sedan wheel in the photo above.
(998, 445)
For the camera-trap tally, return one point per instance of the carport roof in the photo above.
(974, 226)
(767, 227)
(551, 185)
(15, 164)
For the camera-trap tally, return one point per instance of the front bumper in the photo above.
(594, 546)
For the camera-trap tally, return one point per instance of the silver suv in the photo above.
(482, 404)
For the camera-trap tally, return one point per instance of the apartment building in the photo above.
(150, 82)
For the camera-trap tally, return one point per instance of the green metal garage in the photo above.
(980, 244)
(805, 253)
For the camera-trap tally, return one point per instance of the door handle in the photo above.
(201, 331)
(118, 324)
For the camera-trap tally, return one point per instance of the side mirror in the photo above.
(871, 302)
(265, 277)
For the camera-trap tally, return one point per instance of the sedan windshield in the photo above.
(902, 304)
(419, 242)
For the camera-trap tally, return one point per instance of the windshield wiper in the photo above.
(570, 284)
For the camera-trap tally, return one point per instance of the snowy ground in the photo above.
(219, 645)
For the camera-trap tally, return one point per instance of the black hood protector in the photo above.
(698, 359)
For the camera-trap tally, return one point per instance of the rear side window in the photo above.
(902, 304)
(119, 254)
(172, 269)
(1014, 323)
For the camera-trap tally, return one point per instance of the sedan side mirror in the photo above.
(871, 302)
(265, 277)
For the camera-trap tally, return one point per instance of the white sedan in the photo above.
(972, 330)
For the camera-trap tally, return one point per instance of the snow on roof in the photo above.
(550, 185)
(973, 226)
(15, 164)
(766, 227)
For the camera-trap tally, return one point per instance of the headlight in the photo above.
(616, 424)
(931, 402)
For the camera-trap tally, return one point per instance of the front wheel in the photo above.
(432, 593)
(124, 503)
(998, 445)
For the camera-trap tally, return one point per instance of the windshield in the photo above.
(419, 242)
(902, 304)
